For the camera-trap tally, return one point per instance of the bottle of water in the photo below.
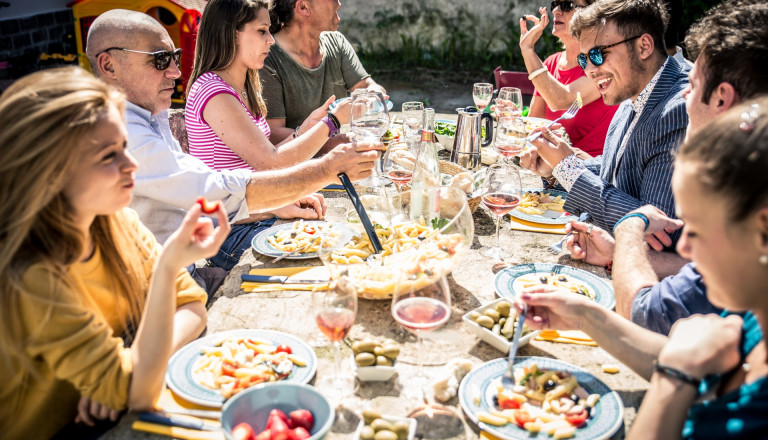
(426, 172)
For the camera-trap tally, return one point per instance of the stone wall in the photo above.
(24, 39)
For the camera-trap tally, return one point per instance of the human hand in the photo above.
(318, 114)
(659, 227)
(529, 37)
(551, 147)
(343, 111)
(356, 159)
(551, 307)
(196, 238)
(310, 207)
(703, 344)
(530, 160)
(377, 88)
(88, 410)
(590, 243)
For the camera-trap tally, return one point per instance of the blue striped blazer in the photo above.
(644, 173)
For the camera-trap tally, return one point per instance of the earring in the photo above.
(763, 260)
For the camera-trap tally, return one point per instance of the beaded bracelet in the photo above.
(676, 374)
(335, 120)
(609, 267)
(634, 214)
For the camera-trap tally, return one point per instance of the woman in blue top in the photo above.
(708, 378)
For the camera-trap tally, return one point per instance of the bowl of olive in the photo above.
(374, 360)
(496, 323)
(376, 426)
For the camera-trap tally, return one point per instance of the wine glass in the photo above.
(510, 137)
(509, 102)
(413, 122)
(398, 165)
(501, 194)
(335, 309)
(369, 121)
(421, 303)
(481, 94)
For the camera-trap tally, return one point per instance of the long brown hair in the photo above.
(217, 43)
(47, 119)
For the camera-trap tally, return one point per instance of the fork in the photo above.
(515, 341)
(570, 113)
(558, 247)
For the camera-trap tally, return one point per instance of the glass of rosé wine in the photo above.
(501, 194)
(421, 303)
(510, 137)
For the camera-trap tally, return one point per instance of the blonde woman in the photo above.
(91, 307)
(225, 112)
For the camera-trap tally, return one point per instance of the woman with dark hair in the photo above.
(91, 306)
(309, 62)
(559, 79)
(225, 111)
(709, 378)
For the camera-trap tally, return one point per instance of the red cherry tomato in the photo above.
(208, 207)
(310, 229)
(228, 368)
(507, 403)
(243, 431)
(578, 418)
(283, 349)
(522, 417)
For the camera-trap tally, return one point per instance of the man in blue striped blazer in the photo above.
(623, 52)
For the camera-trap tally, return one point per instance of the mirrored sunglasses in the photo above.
(565, 5)
(596, 55)
(162, 58)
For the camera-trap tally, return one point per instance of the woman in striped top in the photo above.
(225, 110)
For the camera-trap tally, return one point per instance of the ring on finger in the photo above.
(589, 228)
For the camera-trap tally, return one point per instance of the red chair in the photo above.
(506, 78)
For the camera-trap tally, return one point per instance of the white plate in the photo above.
(481, 384)
(336, 102)
(260, 242)
(496, 341)
(179, 374)
(391, 419)
(549, 217)
(507, 285)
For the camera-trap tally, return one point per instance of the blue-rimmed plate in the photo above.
(481, 384)
(336, 102)
(549, 217)
(260, 242)
(508, 280)
(179, 375)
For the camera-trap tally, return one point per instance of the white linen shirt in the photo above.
(169, 181)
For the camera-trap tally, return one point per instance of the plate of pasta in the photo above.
(211, 369)
(542, 206)
(511, 280)
(548, 398)
(285, 238)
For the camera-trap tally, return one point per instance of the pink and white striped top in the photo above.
(203, 141)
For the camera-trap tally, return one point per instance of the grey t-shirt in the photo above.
(292, 91)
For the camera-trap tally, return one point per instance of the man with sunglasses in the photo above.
(622, 51)
(133, 52)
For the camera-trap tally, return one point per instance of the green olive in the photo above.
(366, 346)
(378, 351)
(367, 433)
(385, 435)
(381, 425)
(383, 361)
(365, 359)
(485, 321)
(492, 313)
(391, 351)
(401, 428)
(503, 307)
(473, 315)
(370, 415)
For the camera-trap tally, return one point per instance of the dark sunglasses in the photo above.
(565, 5)
(596, 53)
(162, 57)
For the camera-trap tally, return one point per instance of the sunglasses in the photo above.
(162, 58)
(565, 5)
(596, 55)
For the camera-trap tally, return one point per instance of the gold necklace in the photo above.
(296, 49)
(242, 93)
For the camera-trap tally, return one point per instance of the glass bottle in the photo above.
(426, 172)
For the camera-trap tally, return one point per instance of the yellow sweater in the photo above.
(74, 349)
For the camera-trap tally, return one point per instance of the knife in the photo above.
(180, 421)
(279, 279)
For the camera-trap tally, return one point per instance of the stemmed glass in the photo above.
(369, 122)
(413, 122)
(510, 137)
(481, 94)
(501, 194)
(509, 102)
(421, 303)
(398, 165)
